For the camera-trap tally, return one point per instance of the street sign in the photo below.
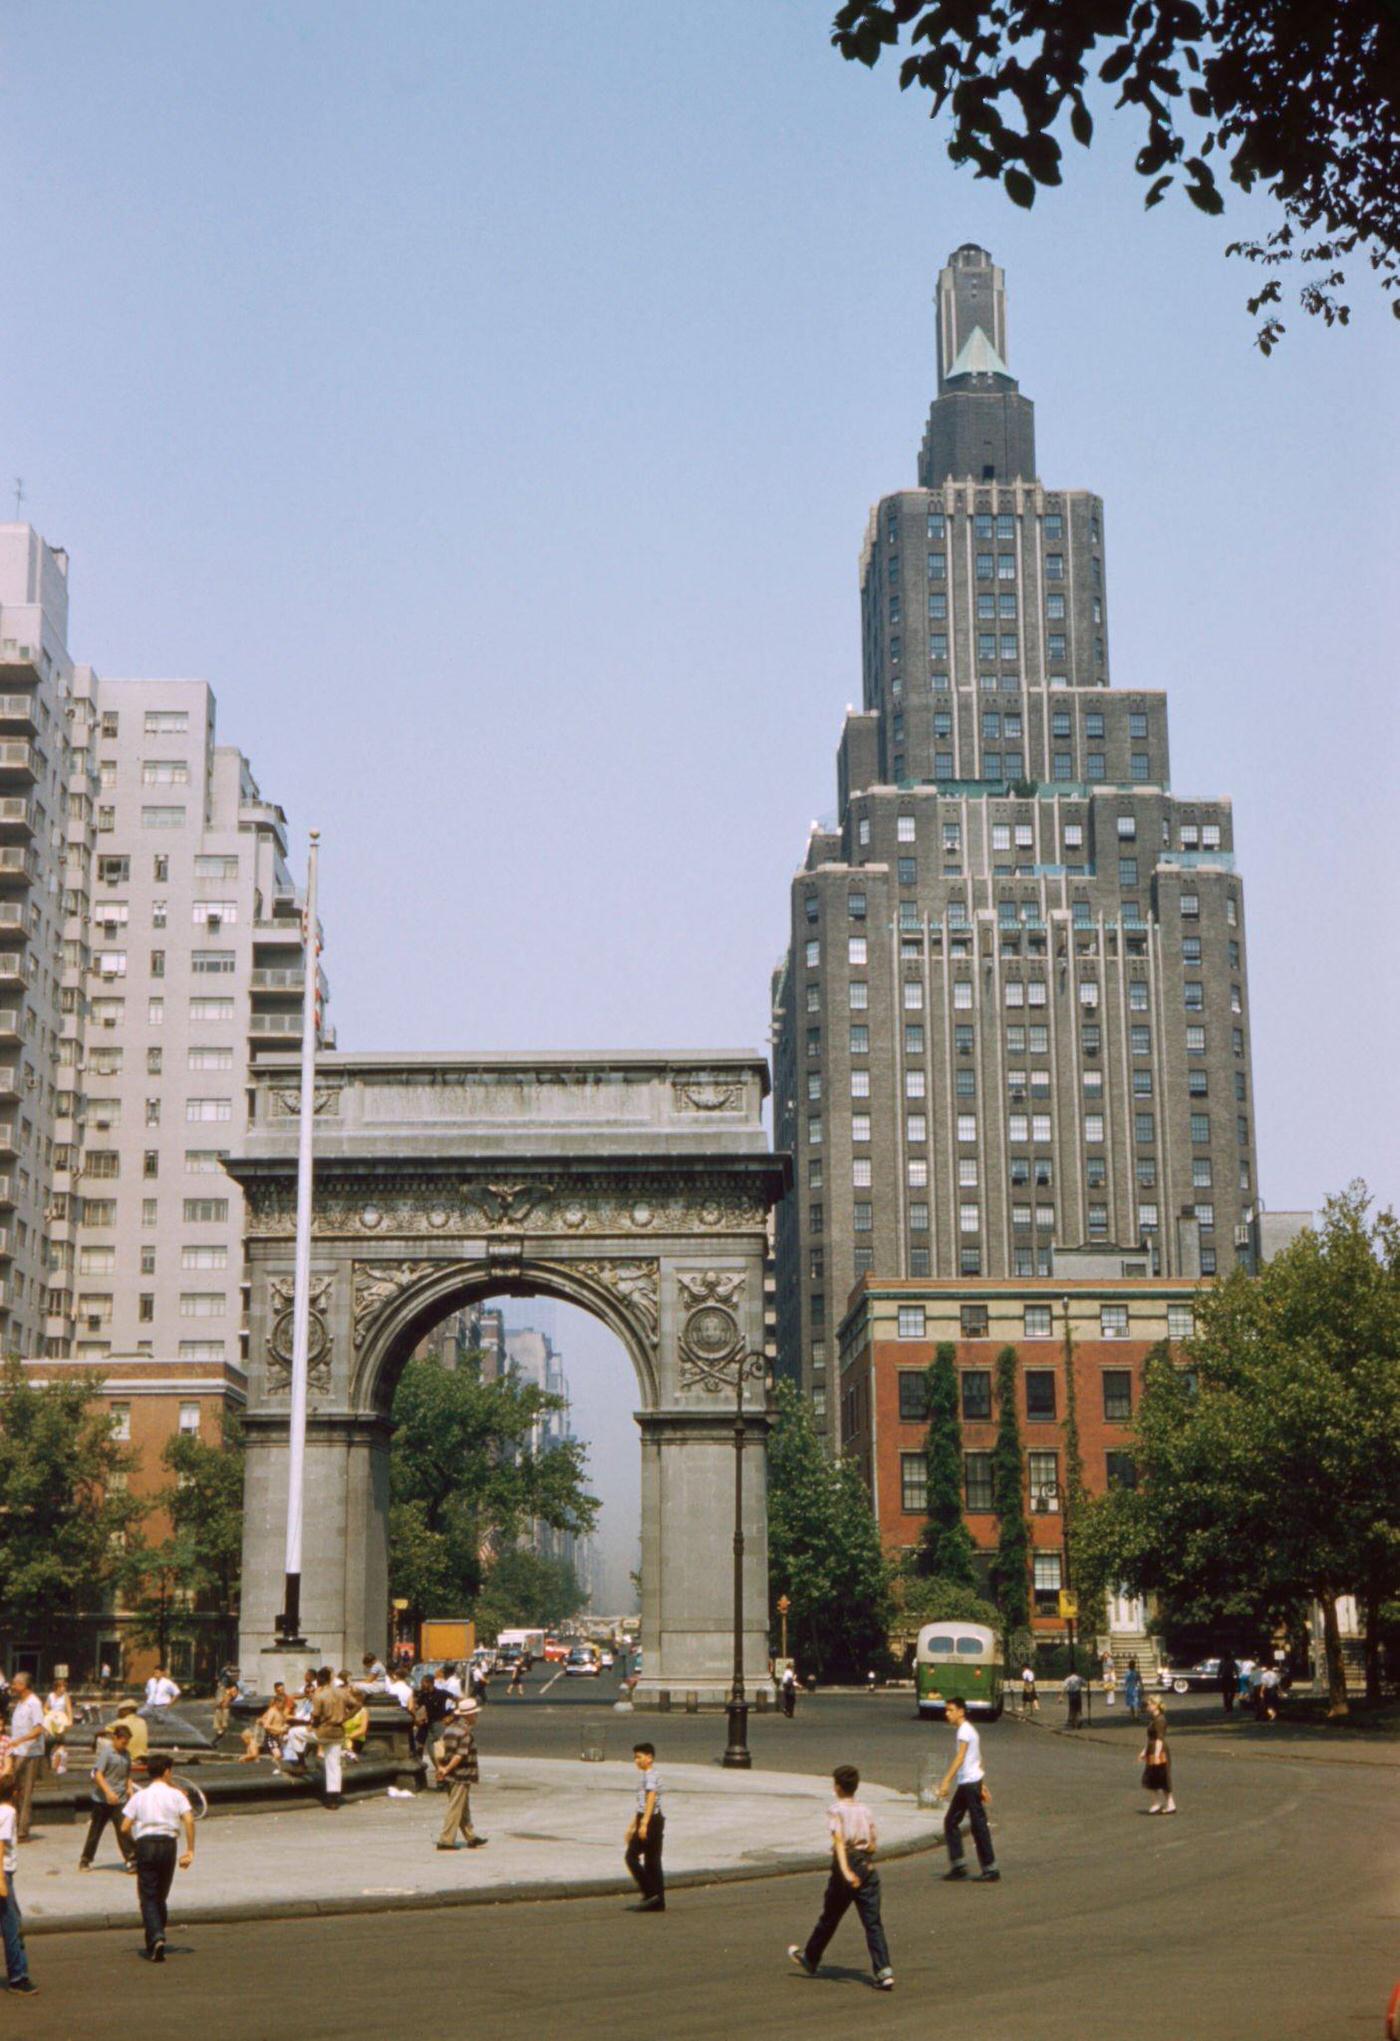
(783, 1605)
(1069, 1606)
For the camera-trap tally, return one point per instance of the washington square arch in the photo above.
(636, 1186)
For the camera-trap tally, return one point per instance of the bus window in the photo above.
(970, 1647)
(941, 1647)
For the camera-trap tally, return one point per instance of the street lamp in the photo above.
(783, 1606)
(736, 1751)
(1045, 1500)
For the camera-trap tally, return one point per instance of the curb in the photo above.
(480, 1895)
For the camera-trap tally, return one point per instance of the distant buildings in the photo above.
(1013, 1016)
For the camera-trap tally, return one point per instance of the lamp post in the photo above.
(736, 1751)
(783, 1606)
(1042, 1502)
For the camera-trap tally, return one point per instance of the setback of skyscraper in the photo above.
(1013, 1014)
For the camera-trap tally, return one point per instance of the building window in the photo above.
(119, 1415)
(860, 1040)
(1144, 1129)
(911, 1321)
(859, 995)
(855, 949)
(1121, 1470)
(976, 1393)
(977, 1480)
(189, 1418)
(1035, 1321)
(863, 1216)
(969, 1219)
(1046, 1577)
(913, 1396)
(813, 953)
(913, 1484)
(1113, 1321)
(904, 829)
(1040, 1395)
(1117, 1395)
(203, 1304)
(1044, 1473)
(969, 1261)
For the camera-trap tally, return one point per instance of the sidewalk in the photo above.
(556, 1830)
(1236, 1736)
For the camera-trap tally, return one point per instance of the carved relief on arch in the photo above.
(711, 1332)
(376, 1284)
(281, 1293)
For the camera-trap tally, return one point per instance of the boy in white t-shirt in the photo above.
(158, 1816)
(971, 1799)
(854, 1881)
(11, 1926)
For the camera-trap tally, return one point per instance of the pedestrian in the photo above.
(1030, 1701)
(789, 1688)
(26, 1749)
(224, 1701)
(646, 1832)
(517, 1677)
(1132, 1689)
(1256, 1688)
(140, 1733)
(330, 1711)
(1268, 1693)
(161, 1690)
(1110, 1683)
(1244, 1670)
(854, 1881)
(1157, 1762)
(373, 1674)
(457, 1769)
(11, 1921)
(450, 1680)
(270, 1728)
(431, 1707)
(111, 1782)
(104, 1675)
(157, 1816)
(971, 1798)
(1228, 1676)
(1074, 1699)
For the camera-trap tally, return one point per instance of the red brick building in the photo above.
(149, 1401)
(1103, 1328)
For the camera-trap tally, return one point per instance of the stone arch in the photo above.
(621, 1291)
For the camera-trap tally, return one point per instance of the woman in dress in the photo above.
(1157, 1762)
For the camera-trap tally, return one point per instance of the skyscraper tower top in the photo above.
(979, 424)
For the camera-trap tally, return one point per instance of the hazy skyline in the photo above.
(492, 417)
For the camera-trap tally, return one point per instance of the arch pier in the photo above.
(637, 1186)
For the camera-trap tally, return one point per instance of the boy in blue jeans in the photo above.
(11, 1925)
(854, 1881)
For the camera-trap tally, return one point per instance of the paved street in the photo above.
(1267, 1908)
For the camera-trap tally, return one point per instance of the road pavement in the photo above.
(1267, 1907)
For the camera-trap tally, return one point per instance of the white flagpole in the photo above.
(290, 1624)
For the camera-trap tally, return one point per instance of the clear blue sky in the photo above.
(488, 401)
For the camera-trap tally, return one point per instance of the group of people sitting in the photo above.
(287, 1727)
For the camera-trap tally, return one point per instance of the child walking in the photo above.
(1157, 1762)
(854, 1881)
(11, 1925)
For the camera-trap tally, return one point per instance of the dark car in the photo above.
(1193, 1679)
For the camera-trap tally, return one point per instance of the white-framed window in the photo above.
(962, 995)
(1036, 1321)
(1035, 992)
(204, 1257)
(1074, 836)
(1181, 1321)
(858, 992)
(913, 996)
(967, 1172)
(211, 1010)
(813, 952)
(863, 831)
(1015, 992)
(203, 1304)
(209, 1058)
(967, 1126)
(915, 1084)
(1088, 992)
(1018, 1127)
(111, 963)
(213, 963)
(911, 1321)
(1001, 836)
(162, 818)
(97, 1261)
(213, 910)
(165, 772)
(1147, 1219)
(1113, 1321)
(904, 829)
(205, 1211)
(119, 1418)
(916, 1173)
(201, 1350)
(1044, 1472)
(208, 1109)
(189, 1419)
(814, 1131)
(860, 1173)
(1040, 1126)
(969, 1218)
(166, 722)
(860, 1083)
(855, 949)
(860, 1126)
(916, 1129)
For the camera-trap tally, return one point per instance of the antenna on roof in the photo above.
(19, 495)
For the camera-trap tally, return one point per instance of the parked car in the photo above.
(1192, 1679)
(605, 1659)
(555, 1653)
(582, 1662)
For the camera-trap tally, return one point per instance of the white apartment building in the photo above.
(151, 945)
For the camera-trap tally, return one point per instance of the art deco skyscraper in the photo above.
(1013, 1014)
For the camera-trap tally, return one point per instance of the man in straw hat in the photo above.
(457, 1770)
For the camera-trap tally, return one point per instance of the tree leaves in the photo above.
(823, 1549)
(945, 1544)
(1297, 97)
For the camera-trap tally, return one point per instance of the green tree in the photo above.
(466, 1478)
(522, 1588)
(823, 1549)
(1084, 1570)
(1294, 97)
(945, 1543)
(1011, 1566)
(64, 1515)
(1269, 1470)
(919, 1600)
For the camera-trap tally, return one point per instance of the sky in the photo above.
(488, 402)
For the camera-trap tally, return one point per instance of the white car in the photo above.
(605, 1659)
(582, 1663)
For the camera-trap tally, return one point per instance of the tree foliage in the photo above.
(466, 1479)
(919, 1600)
(1269, 1471)
(64, 1516)
(823, 1550)
(522, 1588)
(945, 1543)
(1011, 1566)
(1297, 97)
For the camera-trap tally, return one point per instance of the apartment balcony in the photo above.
(18, 711)
(285, 1026)
(279, 978)
(20, 657)
(14, 917)
(19, 760)
(9, 1083)
(18, 866)
(284, 934)
(9, 1138)
(7, 1189)
(6, 1250)
(16, 815)
(10, 1018)
(15, 968)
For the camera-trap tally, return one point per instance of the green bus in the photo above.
(959, 1661)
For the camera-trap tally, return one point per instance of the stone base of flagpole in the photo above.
(286, 1663)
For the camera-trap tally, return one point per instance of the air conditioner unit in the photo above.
(94, 1324)
(107, 1021)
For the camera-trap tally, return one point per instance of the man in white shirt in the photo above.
(971, 1799)
(26, 1748)
(157, 1816)
(161, 1690)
